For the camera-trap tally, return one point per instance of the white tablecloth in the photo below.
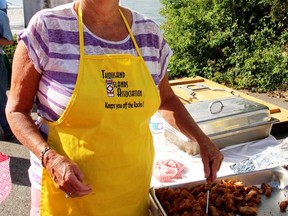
(232, 154)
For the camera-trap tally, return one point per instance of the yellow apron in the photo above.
(105, 130)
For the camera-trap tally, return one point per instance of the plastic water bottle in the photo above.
(157, 128)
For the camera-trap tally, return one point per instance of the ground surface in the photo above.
(279, 98)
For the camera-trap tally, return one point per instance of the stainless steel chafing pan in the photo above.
(276, 177)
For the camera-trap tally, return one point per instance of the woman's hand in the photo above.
(66, 174)
(212, 159)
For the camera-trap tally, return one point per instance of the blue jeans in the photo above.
(3, 97)
(4, 10)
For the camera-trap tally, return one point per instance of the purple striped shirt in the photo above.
(53, 45)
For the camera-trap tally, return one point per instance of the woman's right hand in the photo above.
(66, 174)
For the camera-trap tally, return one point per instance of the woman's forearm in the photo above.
(24, 128)
(178, 117)
(24, 85)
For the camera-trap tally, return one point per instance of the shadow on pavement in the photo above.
(18, 171)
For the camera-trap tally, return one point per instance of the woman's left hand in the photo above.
(212, 159)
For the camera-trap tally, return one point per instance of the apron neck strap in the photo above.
(130, 33)
(81, 33)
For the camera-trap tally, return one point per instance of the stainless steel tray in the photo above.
(229, 121)
(223, 139)
(276, 177)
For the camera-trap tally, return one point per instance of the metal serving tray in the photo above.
(221, 139)
(276, 177)
(228, 121)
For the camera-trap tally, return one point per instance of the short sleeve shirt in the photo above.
(3, 4)
(5, 31)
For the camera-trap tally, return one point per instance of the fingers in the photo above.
(74, 187)
(68, 177)
(216, 164)
(212, 166)
(218, 161)
(207, 169)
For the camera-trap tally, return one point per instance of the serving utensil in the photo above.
(208, 188)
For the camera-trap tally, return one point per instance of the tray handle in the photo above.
(215, 110)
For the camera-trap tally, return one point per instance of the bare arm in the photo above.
(5, 42)
(177, 116)
(24, 85)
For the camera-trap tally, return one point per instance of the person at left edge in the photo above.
(98, 72)
(3, 6)
(6, 39)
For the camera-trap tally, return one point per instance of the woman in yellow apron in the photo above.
(116, 163)
(99, 153)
